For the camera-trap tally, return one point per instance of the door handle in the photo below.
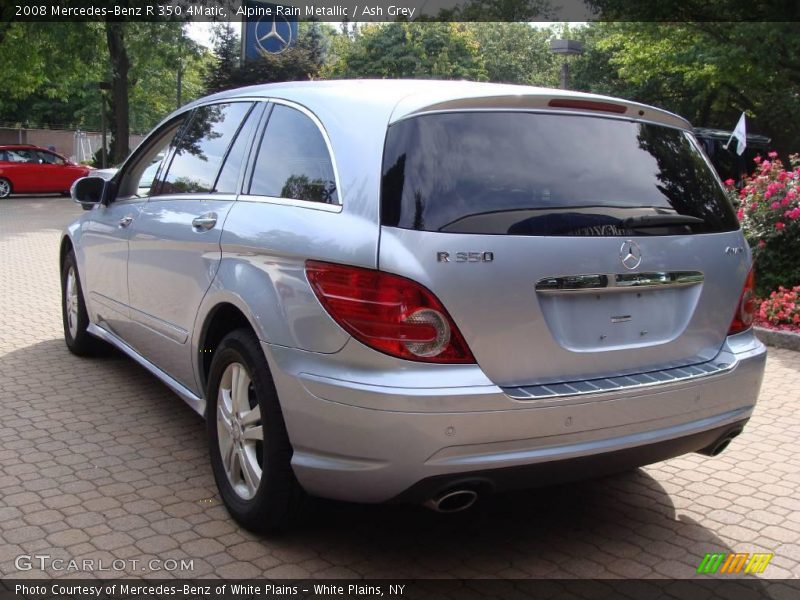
(205, 222)
(125, 221)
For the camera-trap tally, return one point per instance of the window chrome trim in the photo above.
(612, 282)
(324, 132)
(333, 208)
(196, 196)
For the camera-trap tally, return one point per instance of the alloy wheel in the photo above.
(239, 430)
(71, 299)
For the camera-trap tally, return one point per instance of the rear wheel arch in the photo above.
(221, 320)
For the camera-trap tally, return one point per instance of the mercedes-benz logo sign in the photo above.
(273, 34)
(630, 254)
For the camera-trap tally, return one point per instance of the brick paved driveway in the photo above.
(99, 460)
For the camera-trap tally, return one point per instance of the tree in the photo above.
(226, 57)
(499, 10)
(55, 71)
(517, 53)
(120, 67)
(421, 50)
(301, 61)
(707, 72)
(58, 67)
(145, 60)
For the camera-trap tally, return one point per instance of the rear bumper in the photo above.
(357, 440)
(569, 469)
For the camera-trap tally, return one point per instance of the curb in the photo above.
(779, 339)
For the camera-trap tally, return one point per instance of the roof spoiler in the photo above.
(569, 103)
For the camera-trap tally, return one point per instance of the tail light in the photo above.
(746, 309)
(389, 313)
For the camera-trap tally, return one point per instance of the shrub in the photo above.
(781, 308)
(769, 211)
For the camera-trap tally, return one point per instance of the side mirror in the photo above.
(89, 191)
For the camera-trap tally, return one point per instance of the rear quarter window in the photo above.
(293, 161)
(519, 173)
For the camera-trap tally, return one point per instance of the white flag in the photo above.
(740, 133)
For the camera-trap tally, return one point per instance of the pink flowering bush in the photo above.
(769, 210)
(781, 310)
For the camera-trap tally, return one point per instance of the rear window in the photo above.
(542, 174)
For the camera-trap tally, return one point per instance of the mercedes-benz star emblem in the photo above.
(630, 254)
(278, 36)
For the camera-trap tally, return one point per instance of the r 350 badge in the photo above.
(473, 257)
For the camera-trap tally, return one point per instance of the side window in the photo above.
(22, 156)
(139, 178)
(293, 160)
(237, 155)
(201, 148)
(49, 158)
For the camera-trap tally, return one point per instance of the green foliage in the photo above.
(781, 309)
(708, 72)
(769, 209)
(517, 53)
(300, 62)
(48, 72)
(156, 51)
(57, 67)
(227, 50)
(499, 10)
(409, 50)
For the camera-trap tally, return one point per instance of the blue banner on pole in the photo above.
(268, 28)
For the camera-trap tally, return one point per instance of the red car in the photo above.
(26, 169)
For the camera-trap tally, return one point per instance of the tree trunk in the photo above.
(120, 65)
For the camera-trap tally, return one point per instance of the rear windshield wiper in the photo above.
(661, 220)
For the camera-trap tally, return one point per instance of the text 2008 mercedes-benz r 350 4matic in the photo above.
(421, 291)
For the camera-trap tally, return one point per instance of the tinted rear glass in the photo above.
(542, 174)
(293, 160)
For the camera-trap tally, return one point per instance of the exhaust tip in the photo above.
(720, 447)
(452, 502)
(721, 444)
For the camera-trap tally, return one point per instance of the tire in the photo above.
(73, 311)
(242, 443)
(5, 188)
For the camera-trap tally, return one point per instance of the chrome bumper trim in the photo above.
(722, 363)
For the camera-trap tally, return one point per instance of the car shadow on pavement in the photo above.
(111, 427)
(623, 525)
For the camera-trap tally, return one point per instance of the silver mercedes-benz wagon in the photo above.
(421, 291)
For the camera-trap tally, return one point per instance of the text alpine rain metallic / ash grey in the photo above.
(421, 291)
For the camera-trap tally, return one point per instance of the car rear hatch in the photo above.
(565, 244)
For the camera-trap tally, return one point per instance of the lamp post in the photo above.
(566, 48)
